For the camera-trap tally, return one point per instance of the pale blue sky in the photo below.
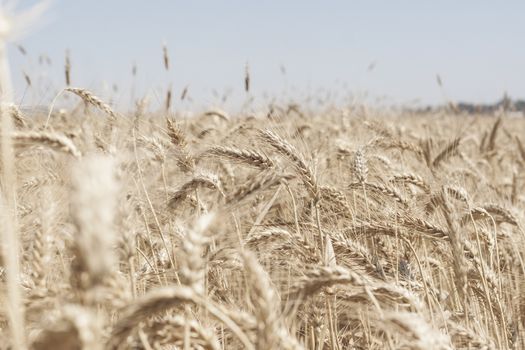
(476, 47)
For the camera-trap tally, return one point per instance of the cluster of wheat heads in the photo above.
(327, 230)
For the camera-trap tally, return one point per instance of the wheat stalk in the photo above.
(94, 201)
(289, 151)
(88, 97)
(158, 301)
(52, 140)
(204, 179)
(245, 156)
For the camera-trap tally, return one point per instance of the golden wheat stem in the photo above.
(10, 237)
(150, 204)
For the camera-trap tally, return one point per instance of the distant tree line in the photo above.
(504, 104)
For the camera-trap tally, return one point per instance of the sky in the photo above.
(378, 51)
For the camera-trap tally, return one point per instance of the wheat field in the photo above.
(289, 228)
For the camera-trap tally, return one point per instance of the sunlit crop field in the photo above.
(345, 228)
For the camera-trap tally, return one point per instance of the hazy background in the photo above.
(391, 50)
